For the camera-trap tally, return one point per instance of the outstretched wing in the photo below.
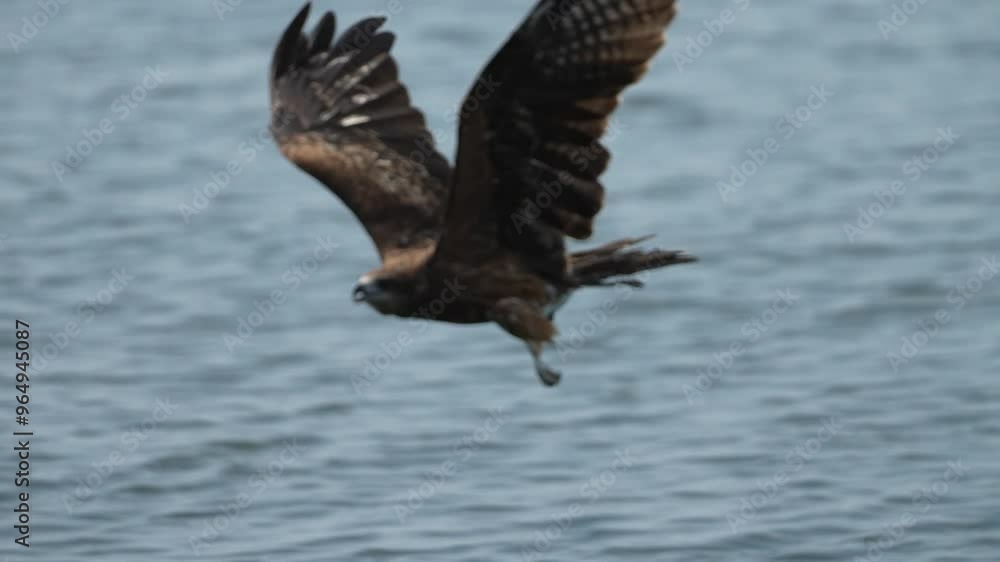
(529, 154)
(340, 113)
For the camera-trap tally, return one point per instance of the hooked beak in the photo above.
(364, 292)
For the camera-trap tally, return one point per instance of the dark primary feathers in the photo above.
(529, 154)
(529, 157)
(340, 113)
(489, 235)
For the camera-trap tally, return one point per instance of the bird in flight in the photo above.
(483, 240)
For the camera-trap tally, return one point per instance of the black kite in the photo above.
(490, 231)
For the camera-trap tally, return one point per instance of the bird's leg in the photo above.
(549, 376)
(527, 321)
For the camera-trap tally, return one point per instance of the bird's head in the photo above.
(386, 292)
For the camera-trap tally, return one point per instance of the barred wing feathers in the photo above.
(530, 157)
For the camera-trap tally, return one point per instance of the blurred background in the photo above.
(821, 386)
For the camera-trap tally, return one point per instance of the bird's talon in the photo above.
(549, 377)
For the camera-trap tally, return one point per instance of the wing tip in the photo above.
(323, 33)
(288, 46)
(359, 35)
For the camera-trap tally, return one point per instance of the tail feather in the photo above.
(613, 263)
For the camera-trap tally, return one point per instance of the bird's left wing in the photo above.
(339, 111)
(530, 157)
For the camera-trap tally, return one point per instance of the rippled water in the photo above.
(154, 441)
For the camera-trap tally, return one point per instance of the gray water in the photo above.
(825, 437)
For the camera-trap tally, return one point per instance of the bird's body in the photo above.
(483, 241)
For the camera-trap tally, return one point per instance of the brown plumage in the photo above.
(483, 242)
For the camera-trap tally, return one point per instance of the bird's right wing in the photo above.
(340, 113)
